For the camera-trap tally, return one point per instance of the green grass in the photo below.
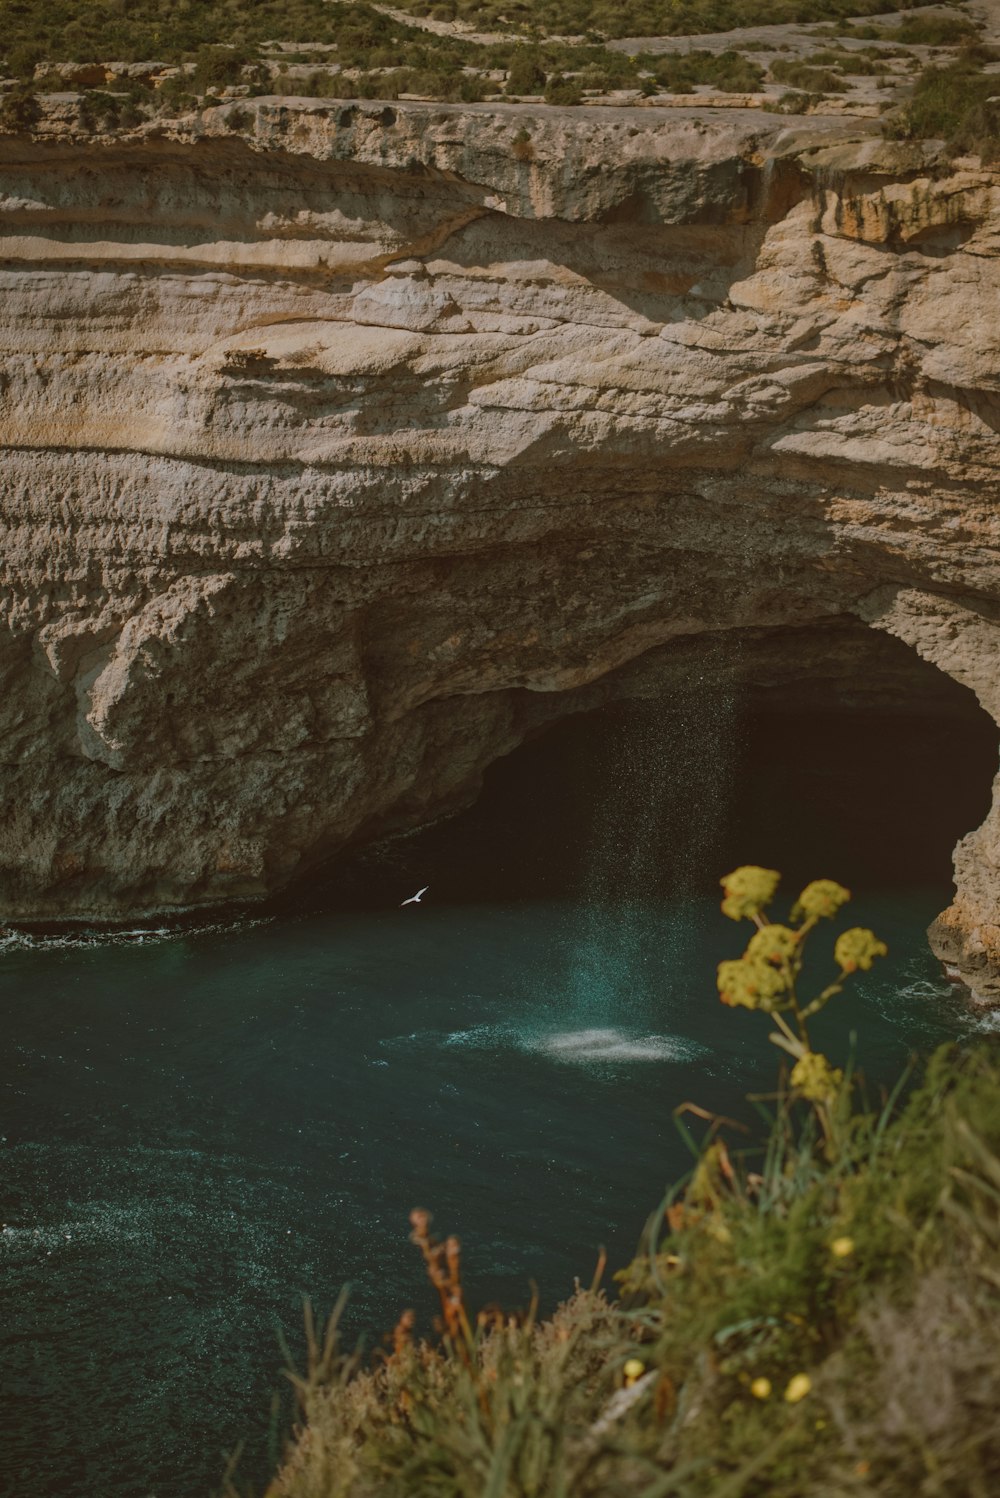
(953, 104)
(870, 1279)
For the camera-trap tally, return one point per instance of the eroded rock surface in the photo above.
(343, 451)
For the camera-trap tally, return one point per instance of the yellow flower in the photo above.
(761, 1388)
(815, 1078)
(842, 1248)
(858, 948)
(822, 897)
(751, 982)
(633, 1371)
(798, 1388)
(773, 944)
(748, 889)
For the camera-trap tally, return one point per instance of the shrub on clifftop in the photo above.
(958, 104)
(19, 111)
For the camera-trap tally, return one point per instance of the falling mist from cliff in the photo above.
(666, 788)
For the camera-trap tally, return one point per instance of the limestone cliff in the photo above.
(347, 443)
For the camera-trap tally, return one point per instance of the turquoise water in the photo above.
(202, 1127)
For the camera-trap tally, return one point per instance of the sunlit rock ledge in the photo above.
(347, 447)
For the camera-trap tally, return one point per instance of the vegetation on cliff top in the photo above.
(958, 104)
(355, 50)
(821, 1316)
(370, 55)
(168, 31)
(172, 30)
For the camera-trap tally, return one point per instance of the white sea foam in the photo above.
(585, 1046)
(926, 988)
(949, 999)
(139, 936)
(579, 1047)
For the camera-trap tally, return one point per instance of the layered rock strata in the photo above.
(347, 444)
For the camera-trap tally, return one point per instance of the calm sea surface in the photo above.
(201, 1127)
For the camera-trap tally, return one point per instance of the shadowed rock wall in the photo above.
(341, 456)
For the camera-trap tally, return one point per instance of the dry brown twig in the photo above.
(444, 1270)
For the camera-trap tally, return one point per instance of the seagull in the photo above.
(415, 899)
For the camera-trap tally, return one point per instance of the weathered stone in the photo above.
(341, 456)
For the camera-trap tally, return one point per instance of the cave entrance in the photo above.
(833, 752)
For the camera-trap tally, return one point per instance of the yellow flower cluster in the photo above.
(823, 897)
(763, 975)
(752, 983)
(748, 890)
(815, 1078)
(858, 948)
(776, 944)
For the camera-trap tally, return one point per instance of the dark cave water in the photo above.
(203, 1126)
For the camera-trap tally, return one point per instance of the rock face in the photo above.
(346, 444)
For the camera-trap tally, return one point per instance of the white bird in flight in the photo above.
(415, 899)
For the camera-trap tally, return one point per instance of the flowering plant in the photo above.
(766, 977)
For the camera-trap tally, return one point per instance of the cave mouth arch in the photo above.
(830, 750)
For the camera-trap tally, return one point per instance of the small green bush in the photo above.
(23, 59)
(934, 31)
(467, 88)
(814, 80)
(563, 91)
(796, 102)
(526, 75)
(100, 111)
(680, 73)
(955, 104)
(219, 67)
(20, 111)
(855, 64)
(175, 95)
(240, 121)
